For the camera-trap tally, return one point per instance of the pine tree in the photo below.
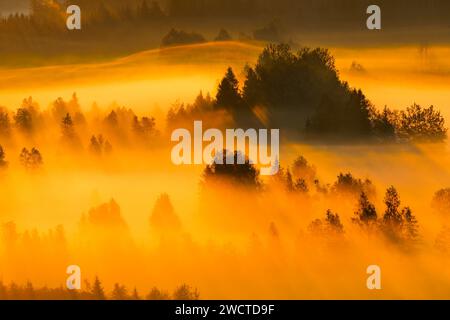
(411, 225)
(97, 290)
(156, 294)
(366, 212)
(228, 95)
(392, 214)
(334, 222)
(119, 292)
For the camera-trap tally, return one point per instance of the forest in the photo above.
(34, 36)
(87, 179)
(127, 216)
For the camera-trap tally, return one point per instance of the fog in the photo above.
(230, 242)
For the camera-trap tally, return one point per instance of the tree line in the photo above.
(94, 291)
(396, 223)
(302, 93)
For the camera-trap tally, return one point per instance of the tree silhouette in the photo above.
(99, 146)
(366, 213)
(185, 292)
(97, 290)
(156, 294)
(68, 132)
(95, 146)
(67, 127)
(228, 95)
(3, 162)
(422, 124)
(119, 292)
(180, 37)
(441, 201)
(107, 215)
(334, 222)
(23, 120)
(411, 232)
(346, 184)
(5, 123)
(163, 218)
(330, 226)
(392, 215)
(31, 160)
(144, 128)
(223, 36)
(245, 175)
(385, 124)
(400, 226)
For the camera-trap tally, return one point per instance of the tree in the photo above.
(163, 218)
(302, 92)
(69, 134)
(185, 292)
(301, 169)
(244, 175)
(401, 226)
(346, 184)
(223, 36)
(119, 292)
(97, 290)
(334, 222)
(411, 232)
(228, 95)
(156, 294)
(112, 120)
(144, 128)
(385, 124)
(180, 37)
(24, 120)
(95, 147)
(5, 124)
(67, 125)
(366, 213)
(330, 226)
(107, 215)
(441, 201)
(392, 215)
(98, 146)
(31, 160)
(3, 162)
(422, 124)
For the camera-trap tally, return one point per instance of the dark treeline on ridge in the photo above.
(301, 93)
(141, 24)
(94, 291)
